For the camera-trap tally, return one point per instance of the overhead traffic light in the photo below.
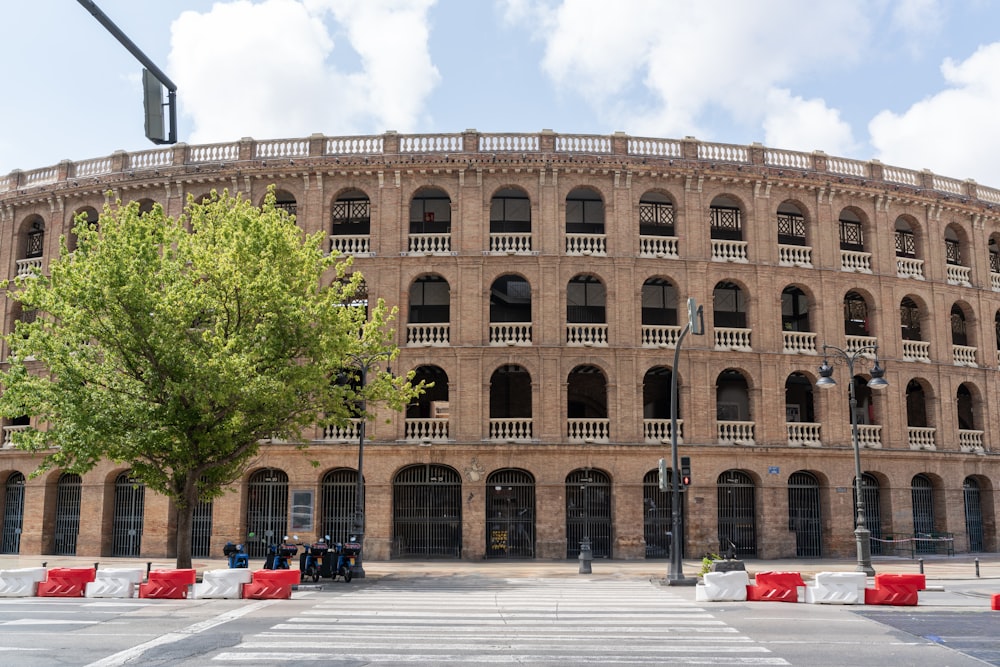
(685, 471)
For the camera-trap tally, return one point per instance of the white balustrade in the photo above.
(920, 437)
(847, 166)
(587, 334)
(40, 176)
(430, 244)
(511, 244)
(723, 152)
(657, 431)
(350, 244)
(729, 251)
(909, 267)
(916, 350)
(9, 431)
(660, 335)
(432, 335)
(510, 429)
(855, 343)
(870, 436)
(658, 246)
(795, 255)
(900, 175)
(583, 143)
(101, 165)
(784, 158)
(730, 338)
(964, 355)
(371, 145)
(281, 148)
(588, 430)
(426, 430)
(348, 433)
(859, 262)
(508, 142)
(214, 152)
(157, 157)
(735, 433)
(510, 333)
(799, 342)
(654, 147)
(586, 244)
(430, 143)
(959, 275)
(995, 281)
(803, 434)
(970, 442)
(28, 267)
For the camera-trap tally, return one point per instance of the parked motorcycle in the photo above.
(279, 556)
(237, 555)
(314, 558)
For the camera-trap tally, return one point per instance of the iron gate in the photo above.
(588, 512)
(872, 496)
(201, 529)
(657, 516)
(267, 510)
(973, 514)
(427, 512)
(13, 513)
(338, 507)
(510, 514)
(804, 518)
(737, 514)
(67, 514)
(922, 498)
(130, 495)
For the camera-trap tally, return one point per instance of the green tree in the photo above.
(177, 345)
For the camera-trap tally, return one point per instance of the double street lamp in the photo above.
(861, 533)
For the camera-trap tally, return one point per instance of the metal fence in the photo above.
(804, 517)
(67, 514)
(872, 496)
(201, 530)
(737, 513)
(973, 514)
(427, 512)
(267, 510)
(13, 513)
(338, 494)
(588, 512)
(130, 495)
(658, 519)
(510, 514)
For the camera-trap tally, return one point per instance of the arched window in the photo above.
(510, 403)
(791, 225)
(430, 312)
(285, 201)
(587, 405)
(725, 219)
(510, 221)
(656, 402)
(737, 514)
(656, 215)
(350, 224)
(427, 417)
(430, 222)
(729, 306)
(909, 319)
(856, 315)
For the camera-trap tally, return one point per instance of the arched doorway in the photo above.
(922, 498)
(588, 512)
(13, 513)
(339, 492)
(130, 499)
(67, 514)
(427, 512)
(973, 514)
(657, 516)
(804, 518)
(737, 516)
(510, 514)
(267, 510)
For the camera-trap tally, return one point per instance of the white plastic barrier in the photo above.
(114, 582)
(722, 586)
(837, 588)
(223, 583)
(22, 582)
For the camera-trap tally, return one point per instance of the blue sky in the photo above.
(913, 83)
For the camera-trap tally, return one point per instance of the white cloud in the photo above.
(954, 132)
(262, 69)
(805, 125)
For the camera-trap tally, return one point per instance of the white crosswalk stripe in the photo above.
(524, 621)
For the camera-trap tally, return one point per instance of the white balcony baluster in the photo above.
(348, 433)
(430, 244)
(964, 355)
(586, 244)
(794, 255)
(658, 246)
(799, 342)
(920, 437)
(657, 431)
(588, 430)
(860, 262)
(510, 333)
(350, 244)
(511, 244)
(510, 429)
(587, 334)
(959, 275)
(28, 267)
(855, 343)
(729, 338)
(426, 430)
(916, 350)
(431, 335)
(909, 267)
(735, 433)
(970, 442)
(729, 251)
(660, 335)
(803, 434)
(870, 436)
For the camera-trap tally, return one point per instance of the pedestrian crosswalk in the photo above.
(557, 621)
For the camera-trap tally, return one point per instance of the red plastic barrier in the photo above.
(917, 581)
(995, 602)
(271, 584)
(280, 577)
(66, 582)
(167, 584)
(775, 587)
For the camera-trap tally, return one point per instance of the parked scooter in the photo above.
(314, 558)
(237, 555)
(280, 556)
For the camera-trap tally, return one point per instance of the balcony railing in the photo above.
(964, 355)
(959, 275)
(735, 433)
(657, 431)
(510, 333)
(730, 338)
(852, 260)
(8, 431)
(658, 246)
(28, 267)
(430, 244)
(729, 251)
(870, 436)
(586, 244)
(426, 430)
(970, 442)
(587, 334)
(920, 437)
(351, 244)
(510, 430)
(909, 267)
(660, 335)
(917, 350)
(430, 335)
(588, 430)
(348, 433)
(794, 255)
(855, 343)
(995, 281)
(803, 434)
(511, 244)
(798, 342)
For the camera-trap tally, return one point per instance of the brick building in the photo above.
(542, 281)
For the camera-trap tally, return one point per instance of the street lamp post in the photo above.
(586, 553)
(861, 533)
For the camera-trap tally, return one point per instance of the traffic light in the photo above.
(664, 477)
(685, 471)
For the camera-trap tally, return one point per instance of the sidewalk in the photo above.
(935, 567)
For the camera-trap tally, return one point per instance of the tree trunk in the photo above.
(185, 519)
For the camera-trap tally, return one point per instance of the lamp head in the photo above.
(878, 380)
(826, 380)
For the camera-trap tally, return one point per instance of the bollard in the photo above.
(149, 566)
(921, 561)
(586, 556)
(95, 566)
(977, 568)
(45, 563)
